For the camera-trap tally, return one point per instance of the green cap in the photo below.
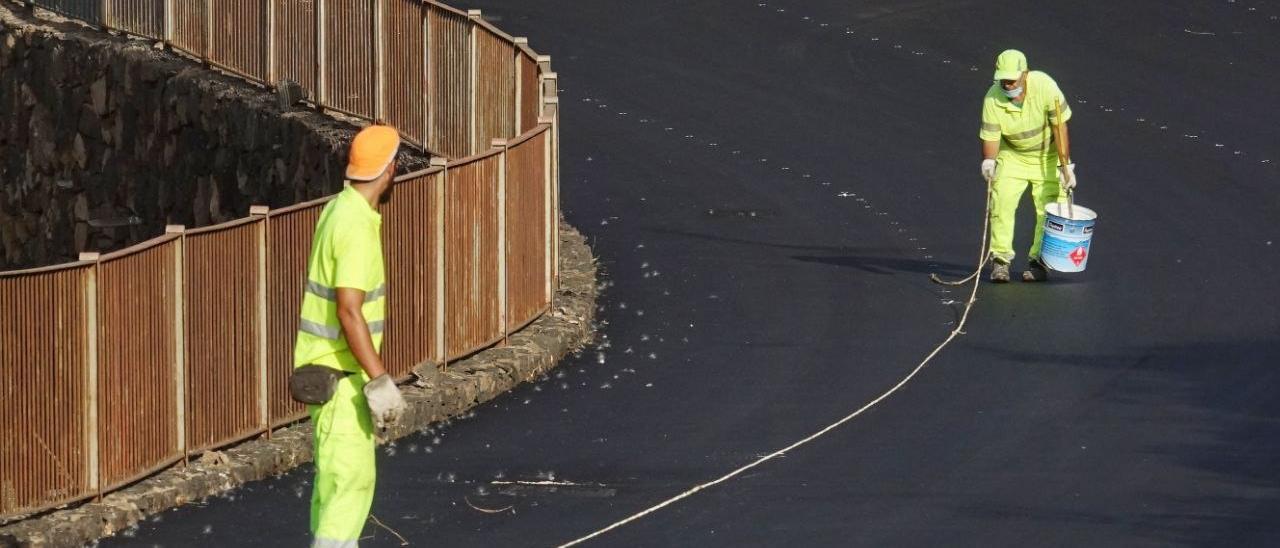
(1010, 65)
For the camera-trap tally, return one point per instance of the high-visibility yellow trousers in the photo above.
(345, 473)
(1006, 192)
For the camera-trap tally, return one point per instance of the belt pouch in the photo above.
(314, 384)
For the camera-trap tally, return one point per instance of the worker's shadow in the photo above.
(889, 265)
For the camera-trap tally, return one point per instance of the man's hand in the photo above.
(385, 402)
(1067, 175)
(989, 169)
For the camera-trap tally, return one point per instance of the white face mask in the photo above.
(1012, 93)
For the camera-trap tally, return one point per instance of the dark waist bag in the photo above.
(314, 384)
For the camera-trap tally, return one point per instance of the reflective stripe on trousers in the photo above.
(334, 543)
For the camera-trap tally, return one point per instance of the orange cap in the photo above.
(371, 152)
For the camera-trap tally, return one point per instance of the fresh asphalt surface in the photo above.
(768, 186)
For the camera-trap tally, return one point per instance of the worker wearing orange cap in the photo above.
(338, 371)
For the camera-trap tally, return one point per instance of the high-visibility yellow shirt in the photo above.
(346, 251)
(1026, 145)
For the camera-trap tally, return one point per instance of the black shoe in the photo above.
(1035, 272)
(999, 272)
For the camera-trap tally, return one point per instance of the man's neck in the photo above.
(369, 192)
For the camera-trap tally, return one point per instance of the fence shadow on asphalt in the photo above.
(888, 265)
(1220, 401)
(871, 260)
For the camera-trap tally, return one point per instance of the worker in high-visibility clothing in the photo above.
(342, 324)
(1023, 144)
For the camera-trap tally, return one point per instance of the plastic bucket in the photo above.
(1067, 237)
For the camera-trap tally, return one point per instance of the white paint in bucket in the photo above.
(1067, 237)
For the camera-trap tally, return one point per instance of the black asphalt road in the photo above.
(768, 185)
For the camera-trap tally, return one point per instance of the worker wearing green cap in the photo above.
(1024, 144)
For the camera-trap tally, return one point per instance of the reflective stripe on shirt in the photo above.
(376, 327)
(331, 294)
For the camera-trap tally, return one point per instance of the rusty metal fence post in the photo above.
(549, 89)
(501, 198)
(269, 49)
(264, 411)
(208, 30)
(518, 41)
(473, 78)
(427, 80)
(93, 452)
(440, 270)
(179, 335)
(549, 213)
(167, 21)
(322, 72)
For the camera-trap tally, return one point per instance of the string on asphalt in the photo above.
(959, 330)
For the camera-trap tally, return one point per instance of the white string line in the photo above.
(973, 295)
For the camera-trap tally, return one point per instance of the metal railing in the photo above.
(122, 364)
(446, 78)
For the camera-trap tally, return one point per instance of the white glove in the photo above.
(1067, 174)
(385, 402)
(989, 169)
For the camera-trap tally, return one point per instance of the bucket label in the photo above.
(1079, 255)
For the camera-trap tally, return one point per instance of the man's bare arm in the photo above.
(356, 330)
(989, 149)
